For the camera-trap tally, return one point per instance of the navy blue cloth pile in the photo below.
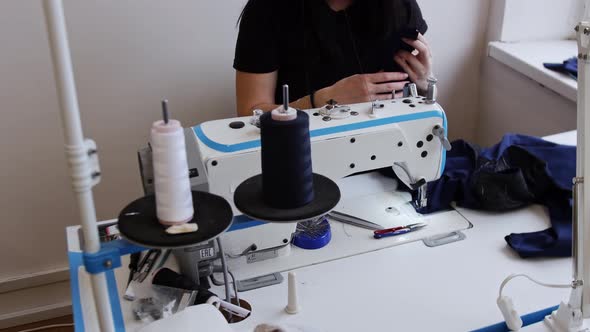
(518, 171)
(568, 67)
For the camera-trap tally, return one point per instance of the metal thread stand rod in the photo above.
(165, 114)
(285, 98)
(583, 167)
(76, 150)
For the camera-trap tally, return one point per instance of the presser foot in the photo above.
(421, 200)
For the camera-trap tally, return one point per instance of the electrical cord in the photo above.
(215, 281)
(220, 283)
(40, 328)
(517, 275)
(252, 247)
(233, 279)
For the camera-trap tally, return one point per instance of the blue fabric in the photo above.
(518, 171)
(569, 67)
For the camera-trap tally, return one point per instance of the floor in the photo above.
(59, 320)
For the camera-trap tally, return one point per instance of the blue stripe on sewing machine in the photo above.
(227, 148)
(243, 222)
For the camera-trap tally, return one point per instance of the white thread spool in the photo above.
(174, 202)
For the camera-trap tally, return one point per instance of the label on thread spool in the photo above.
(287, 175)
(174, 204)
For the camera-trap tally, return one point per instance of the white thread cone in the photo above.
(174, 203)
(293, 306)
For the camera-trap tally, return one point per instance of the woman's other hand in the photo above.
(362, 88)
(256, 91)
(418, 66)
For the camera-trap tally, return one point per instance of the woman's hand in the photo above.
(419, 66)
(362, 88)
(256, 91)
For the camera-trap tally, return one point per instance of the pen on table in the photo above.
(141, 264)
(140, 272)
(150, 261)
(133, 265)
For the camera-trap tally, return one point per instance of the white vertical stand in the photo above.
(77, 150)
(569, 317)
(583, 154)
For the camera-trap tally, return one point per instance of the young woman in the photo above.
(349, 51)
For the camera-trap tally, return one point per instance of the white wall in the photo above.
(127, 56)
(512, 103)
(509, 101)
(457, 35)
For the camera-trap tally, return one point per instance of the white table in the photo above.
(415, 288)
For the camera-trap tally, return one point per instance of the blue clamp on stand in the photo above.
(109, 256)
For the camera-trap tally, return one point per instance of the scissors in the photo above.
(378, 234)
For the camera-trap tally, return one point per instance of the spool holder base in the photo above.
(249, 199)
(138, 222)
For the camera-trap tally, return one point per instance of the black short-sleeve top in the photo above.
(312, 47)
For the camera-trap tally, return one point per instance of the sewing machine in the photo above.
(408, 134)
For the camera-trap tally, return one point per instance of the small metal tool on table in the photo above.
(355, 221)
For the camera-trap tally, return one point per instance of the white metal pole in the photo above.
(583, 160)
(579, 267)
(76, 150)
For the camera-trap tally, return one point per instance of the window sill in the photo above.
(527, 58)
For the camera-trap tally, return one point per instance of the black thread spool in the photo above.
(287, 190)
(287, 175)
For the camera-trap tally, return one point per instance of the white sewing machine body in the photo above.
(396, 133)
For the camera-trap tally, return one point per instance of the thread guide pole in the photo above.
(77, 152)
(285, 99)
(165, 114)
